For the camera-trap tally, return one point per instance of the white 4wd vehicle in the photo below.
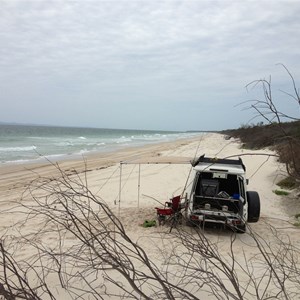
(218, 194)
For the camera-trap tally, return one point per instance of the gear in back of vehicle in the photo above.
(218, 194)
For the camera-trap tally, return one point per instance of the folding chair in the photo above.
(171, 213)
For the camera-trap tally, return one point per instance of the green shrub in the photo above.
(281, 193)
(288, 183)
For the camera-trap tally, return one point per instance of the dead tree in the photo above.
(267, 109)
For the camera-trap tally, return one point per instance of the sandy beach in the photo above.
(145, 186)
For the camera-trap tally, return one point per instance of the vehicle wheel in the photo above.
(253, 207)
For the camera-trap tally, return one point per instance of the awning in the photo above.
(159, 160)
(150, 160)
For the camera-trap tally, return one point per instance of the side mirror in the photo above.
(247, 181)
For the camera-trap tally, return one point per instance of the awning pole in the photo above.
(120, 185)
(139, 185)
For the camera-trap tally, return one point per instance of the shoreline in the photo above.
(75, 157)
(11, 172)
(30, 144)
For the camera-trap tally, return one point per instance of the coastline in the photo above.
(13, 175)
(32, 144)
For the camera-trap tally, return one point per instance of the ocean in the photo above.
(26, 143)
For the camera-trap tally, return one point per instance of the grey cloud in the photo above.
(143, 51)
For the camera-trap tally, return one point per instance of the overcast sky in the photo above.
(169, 65)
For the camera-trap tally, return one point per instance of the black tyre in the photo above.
(253, 207)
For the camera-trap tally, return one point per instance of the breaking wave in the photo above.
(17, 149)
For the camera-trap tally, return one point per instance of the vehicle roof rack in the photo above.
(215, 160)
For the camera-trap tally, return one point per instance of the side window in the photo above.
(201, 177)
(241, 186)
(209, 187)
(196, 184)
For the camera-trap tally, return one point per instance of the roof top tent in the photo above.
(224, 165)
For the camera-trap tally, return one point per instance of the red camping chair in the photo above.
(171, 212)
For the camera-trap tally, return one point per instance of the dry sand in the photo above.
(158, 183)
